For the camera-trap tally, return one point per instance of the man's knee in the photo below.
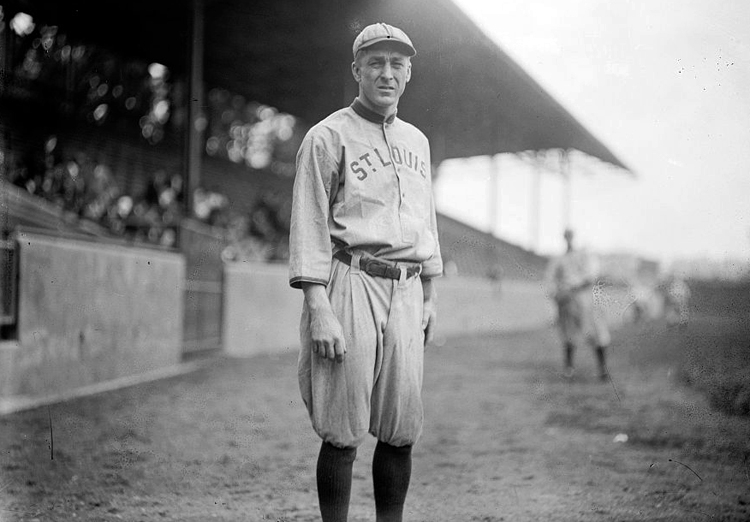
(342, 440)
(346, 453)
(400, 439)
(394, 450)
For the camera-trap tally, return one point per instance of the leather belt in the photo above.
(378, 268)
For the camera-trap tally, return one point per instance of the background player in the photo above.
(570, 278)
(676, 293)
(364, 249)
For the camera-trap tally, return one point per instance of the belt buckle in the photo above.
(375, 268)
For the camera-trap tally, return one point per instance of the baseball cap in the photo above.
(381, 32)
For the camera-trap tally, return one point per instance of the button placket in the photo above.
(401, 193)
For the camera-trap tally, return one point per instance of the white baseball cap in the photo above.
(381, 32)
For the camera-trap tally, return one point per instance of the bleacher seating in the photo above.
(471, 252)
(21, 209)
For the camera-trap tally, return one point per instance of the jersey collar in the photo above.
(369, 114)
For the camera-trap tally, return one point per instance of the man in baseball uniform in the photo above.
(570, 279)
(364, 250)
(676, 294)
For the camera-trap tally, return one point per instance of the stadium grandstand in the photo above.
(171, 128)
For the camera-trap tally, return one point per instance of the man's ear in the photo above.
(408, 72)
(356, 72)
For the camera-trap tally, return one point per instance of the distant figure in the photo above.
(570, 280)
(676, 300)
(641, 306)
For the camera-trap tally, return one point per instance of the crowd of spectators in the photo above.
(262, 234)
(111, 92)
(82, 188)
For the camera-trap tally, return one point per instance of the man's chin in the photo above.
(389, 95)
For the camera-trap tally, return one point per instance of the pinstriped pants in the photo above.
(377, 389)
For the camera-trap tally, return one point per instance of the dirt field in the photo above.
(506, 439)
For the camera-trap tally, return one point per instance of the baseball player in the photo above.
(570, 279)
(676, 294)
(364, 250)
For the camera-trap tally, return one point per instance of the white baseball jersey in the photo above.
(570, 279)
(569, 271)
(362, 183)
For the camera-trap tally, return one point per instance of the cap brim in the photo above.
(407, 49)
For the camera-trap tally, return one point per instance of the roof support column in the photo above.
(536, 197)
(4, 44)
(494, 195)
(567, 188)
(195, 118)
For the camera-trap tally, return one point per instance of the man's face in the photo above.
(382, 73)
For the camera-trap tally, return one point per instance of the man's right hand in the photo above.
(325, 329)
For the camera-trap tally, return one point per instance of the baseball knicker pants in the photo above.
(377, 388)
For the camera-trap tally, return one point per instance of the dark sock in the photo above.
(391, 473)
(569, 349)
(601, 359)
(334, 475)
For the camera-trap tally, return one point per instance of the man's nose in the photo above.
(387, 70)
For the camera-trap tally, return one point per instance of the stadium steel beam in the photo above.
(493, 193)
(536, 201)
(195, 117)
(567, 176)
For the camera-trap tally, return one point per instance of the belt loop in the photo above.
(403, 275)
(355, 262)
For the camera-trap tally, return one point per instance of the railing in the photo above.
(8, 283)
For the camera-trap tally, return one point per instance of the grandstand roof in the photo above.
(467, 94)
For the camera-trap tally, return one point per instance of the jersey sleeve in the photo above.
(433, 267)
(314, 189)
(594, 267)
(589, 268)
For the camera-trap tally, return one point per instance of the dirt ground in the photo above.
(506, 438)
